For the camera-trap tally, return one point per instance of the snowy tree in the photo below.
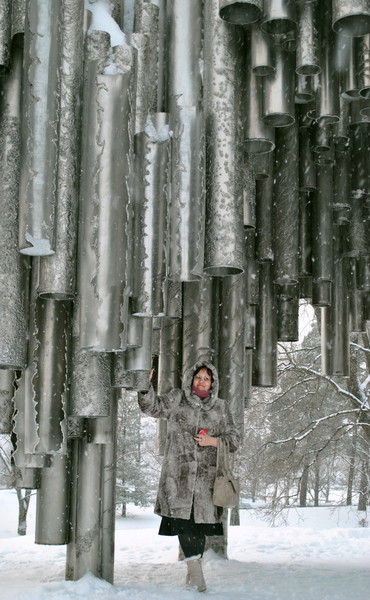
(137, 464)
(310, 433)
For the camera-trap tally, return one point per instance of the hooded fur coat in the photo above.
(189, 470)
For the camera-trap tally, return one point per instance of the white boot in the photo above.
(195, 575)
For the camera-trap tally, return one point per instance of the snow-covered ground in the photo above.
(316, 554)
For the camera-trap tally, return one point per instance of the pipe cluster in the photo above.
(174, 178)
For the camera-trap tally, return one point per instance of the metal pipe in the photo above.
(351, 17)
(279, 16)
(39, 131)
(241, 12)
(224, 200)
(307, 60)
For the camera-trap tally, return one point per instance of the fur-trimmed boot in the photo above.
(195, 576)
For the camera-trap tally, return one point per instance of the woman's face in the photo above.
(202, 380)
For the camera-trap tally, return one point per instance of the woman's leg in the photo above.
(192, 544)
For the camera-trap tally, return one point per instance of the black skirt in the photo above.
(173, 526)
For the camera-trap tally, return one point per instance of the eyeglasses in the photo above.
(201, 378)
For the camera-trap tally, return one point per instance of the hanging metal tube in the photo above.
(13, 267)
(264, 216)
(90, 394)
(147, 23)
(7, 380)
(305, 235)
(39, 130)
(307, 60)
(224, 200)
(286, 206)
(259, 137)
(278, 90)
(322, 238)
(338, 331)
(58, 272)
(150, 206)
(84, 547)
(363, 65)
(265, 354)
(279, 16)
(52, 319)
(261, 51)
(103, 211)
(52, 504)
(231, 345)
(197, 322)
(187, 205)
(5, 36)
(351, 17)
(287, 301)
(327, 95)
(241, 12)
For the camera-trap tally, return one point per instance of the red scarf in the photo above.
(201, 393)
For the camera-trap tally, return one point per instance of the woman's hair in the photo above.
(209, 371)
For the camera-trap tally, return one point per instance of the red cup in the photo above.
(202, 431)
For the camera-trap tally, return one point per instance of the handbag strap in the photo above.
(222, 455)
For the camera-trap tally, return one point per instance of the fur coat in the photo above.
(189, 470)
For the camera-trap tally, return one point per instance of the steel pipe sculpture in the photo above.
(170, 187)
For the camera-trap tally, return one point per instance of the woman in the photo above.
(197, 419)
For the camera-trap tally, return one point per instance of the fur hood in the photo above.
(188, 380)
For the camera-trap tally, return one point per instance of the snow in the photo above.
(310, 554)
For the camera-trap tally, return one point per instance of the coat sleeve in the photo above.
(159, 407)
(230, 433)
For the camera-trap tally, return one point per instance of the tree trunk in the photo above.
(23, 504)
(303, 488)
(317, 483)
(124, 510)
(235, 516)
(351, 470)
(364, 486)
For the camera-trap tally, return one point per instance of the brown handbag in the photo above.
(226, 486)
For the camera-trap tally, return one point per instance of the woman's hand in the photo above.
(203, 439)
